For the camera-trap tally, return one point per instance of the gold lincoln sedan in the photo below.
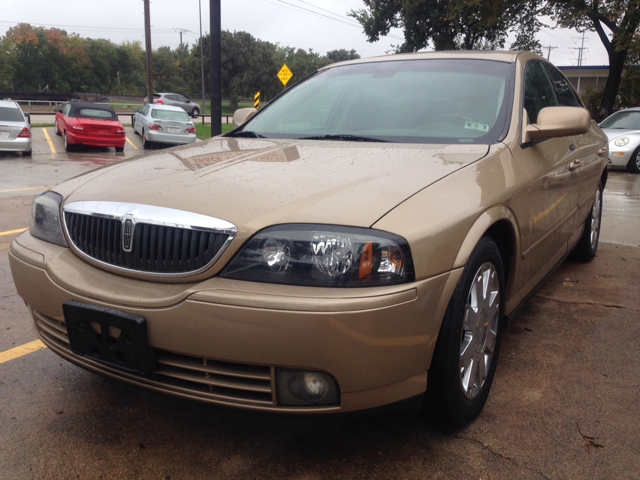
(356, 245)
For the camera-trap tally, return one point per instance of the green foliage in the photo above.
(451, 25)
(33, 57)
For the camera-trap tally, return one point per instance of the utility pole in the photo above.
(549, 48)
(147, 42)
(581, 49)
(204, 108)
(216, 80)
(181, 31)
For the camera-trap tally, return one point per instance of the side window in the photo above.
(564, 91)
(65, 110)
(145, 110)
(182, 99)
(537, 91)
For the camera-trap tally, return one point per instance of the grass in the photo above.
(204, 131)
(43, 125)
(226, 109)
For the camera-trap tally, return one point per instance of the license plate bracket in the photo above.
(109, 336)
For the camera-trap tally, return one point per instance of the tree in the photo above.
(342, 55)
(449, 25)
(621, 17)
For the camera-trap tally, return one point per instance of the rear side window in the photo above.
(169, 115)
(564, 91)
(9, 114)
(538, 93)
(156, 95)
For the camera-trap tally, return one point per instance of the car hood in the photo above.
(254, 183)
(613, 133)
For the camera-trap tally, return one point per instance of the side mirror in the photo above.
(57, 110)
(556, 122)
(241, 115)
(137, 110)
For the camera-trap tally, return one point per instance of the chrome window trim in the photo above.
(149, 214)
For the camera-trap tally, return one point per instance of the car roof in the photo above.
(9, 103)
(495, 55)
(75, 106)
(160, 106)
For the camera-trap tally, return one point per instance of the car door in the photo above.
(184, 103)
(547, 210)
(61, 118)
(587, 146)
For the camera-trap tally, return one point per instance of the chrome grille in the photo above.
(146, 239)
(200, 377)
(155, 248)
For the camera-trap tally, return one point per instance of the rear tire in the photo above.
(587, 246)
(195, 112)
(27, 154)
(466, 354)
(67, 146)
(145, 143)
(634, 163)
(120, 149)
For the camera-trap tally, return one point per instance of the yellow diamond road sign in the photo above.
(284, 74)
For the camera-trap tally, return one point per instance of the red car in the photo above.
(89, 124)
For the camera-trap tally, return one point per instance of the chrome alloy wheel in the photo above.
(479, 330)
(595, 219)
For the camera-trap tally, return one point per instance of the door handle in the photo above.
(574, 164)
(572, 147)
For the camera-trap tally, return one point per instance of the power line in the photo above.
(549, 48)
(85, 27)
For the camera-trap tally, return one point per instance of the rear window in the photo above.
(9, 114)
(169, 115)
(94, 113)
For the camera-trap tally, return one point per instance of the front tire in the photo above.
(195, 112)
(27, 153)
(634, 163)
(133, 125)
(466, 354)
(58, 132)
(119, 149)
(588, 244)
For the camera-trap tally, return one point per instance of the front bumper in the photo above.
(620, 156)
(15, 145)
(170, 138)
(222, 341)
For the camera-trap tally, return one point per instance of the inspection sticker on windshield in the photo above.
(481, 127)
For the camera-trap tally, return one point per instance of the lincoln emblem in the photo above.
(127, 235)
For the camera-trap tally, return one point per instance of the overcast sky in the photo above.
(287, 22)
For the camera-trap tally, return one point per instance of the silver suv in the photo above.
(176, 100)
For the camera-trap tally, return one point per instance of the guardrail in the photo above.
(129, 114)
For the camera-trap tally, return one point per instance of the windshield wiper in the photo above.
(351, 138)
(246, 134)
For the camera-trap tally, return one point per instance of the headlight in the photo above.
(45, 219)
(323, 256)
(621, 141)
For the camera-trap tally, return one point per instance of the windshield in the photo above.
(169, 115)
(622, 120)
(409, 101)
(9, 114)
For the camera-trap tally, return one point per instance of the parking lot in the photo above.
(564, 403)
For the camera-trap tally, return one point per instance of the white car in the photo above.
(15, 129)
(163, 124)
(623, 130)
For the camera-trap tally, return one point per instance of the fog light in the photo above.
(296, 387)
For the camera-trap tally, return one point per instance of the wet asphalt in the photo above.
(564, 403)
